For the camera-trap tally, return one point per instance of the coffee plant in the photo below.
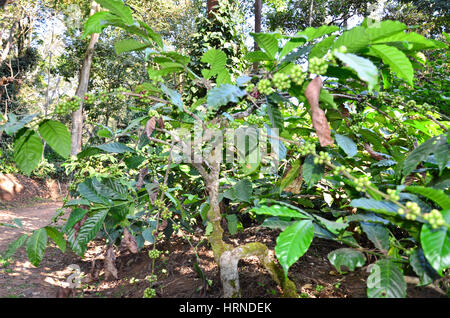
(376, 161)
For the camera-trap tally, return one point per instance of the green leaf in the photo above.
(243, 190)
(57, 136)
(90, 192)
(436, 244)
(115, 147)
(293, 242)
(314, 33)
(354, 40)
(383, 29)
(383, 207)
(291, 45)
(397, 61)
(372, 137)
(378, 234)
(347, 257)
(280, 211)
(134, 162)
(422, 267)
(442, 154)
(223, 94)
(174, 96)
(275, 116)
(276, 223)
(437, 196)
(386, 281)
(422, 152)
(365, 69)
(57, 237)
(321, 48)
(416, 41)
(36, 245)
(97, 22)
(127, 45)
(75, 216)
(311, 172)
(267, 42)
(257, 56)
(13, 126)
(87, 232)
(148, 232)
(232, 223)
(119, 9)
(346, 144)
(291, 175)
(15, 245)
(154, 36)
(216, 58)
(28, 150)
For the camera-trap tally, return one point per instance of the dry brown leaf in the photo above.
(142, 174)
(161, 123)
(129, 241)
(110, 266)
(295, 186)
(150, 126)
(319, 119)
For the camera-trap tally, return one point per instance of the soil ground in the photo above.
(313, 274)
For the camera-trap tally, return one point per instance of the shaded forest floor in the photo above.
(313, 274)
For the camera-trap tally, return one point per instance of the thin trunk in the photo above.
(8, 45)
(258, 6)
(77, 116)
(311, 12)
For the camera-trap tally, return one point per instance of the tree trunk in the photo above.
(258, 6)
(77, 116)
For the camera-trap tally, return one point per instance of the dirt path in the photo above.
(20, 278)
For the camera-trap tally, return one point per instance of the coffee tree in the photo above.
(374, 162)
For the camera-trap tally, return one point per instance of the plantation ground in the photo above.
(313, 275)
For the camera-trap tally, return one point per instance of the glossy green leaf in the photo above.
(437, 196)
(436, 244)
(14, 246)
(174, 96)
(354, 40)
(87, 232)
(422, 267)
(365, 69)
(119, 9)
(267, 42)
(36, 245)
(115, 147)
(347, 257)
(280, 211)
(378, 234)
(384, 207)
(346, 144)
(129, 45)
(28, 150)
(311, 172)
(422, 152)
(222, 95)
(386, 280)
(293, 242)
(57, 237)
(397, 61)
(292, 174)
(57, 136)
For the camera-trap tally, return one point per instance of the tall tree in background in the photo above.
(77, 116)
